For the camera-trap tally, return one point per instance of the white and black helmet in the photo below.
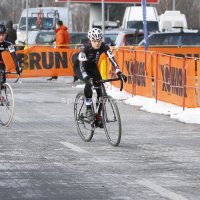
(95, 34)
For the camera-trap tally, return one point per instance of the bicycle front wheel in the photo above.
(7, 104)
(112, 121)
(85, 129)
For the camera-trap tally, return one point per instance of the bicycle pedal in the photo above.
(92, 122)
(80, 121)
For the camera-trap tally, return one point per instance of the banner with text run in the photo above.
(40, 61)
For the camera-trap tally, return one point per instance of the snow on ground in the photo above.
(189, 115)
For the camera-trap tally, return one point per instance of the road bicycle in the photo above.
(109, 111)
(7, 103)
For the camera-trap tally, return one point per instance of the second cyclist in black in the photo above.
(7, 46)
(88, 62)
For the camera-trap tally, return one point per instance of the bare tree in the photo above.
(164, 5)
(189, 7)
(80, 18)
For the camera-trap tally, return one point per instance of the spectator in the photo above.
(62, 38)
(11, 34)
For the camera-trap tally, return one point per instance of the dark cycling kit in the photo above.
(4, 46)
(88, 65)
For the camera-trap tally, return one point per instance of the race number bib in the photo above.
(11, 48)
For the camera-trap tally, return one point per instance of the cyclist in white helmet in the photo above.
(88, 64)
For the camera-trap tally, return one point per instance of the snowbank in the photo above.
(189, 115)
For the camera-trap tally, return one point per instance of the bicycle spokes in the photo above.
(84, 126)
(6, 105)
(112, 121)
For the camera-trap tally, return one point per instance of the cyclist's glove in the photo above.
(122, 76)
(88, 81)
(18, 70)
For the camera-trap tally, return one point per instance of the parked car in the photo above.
(78, 38)
(45, 37)
(31, 40)
(110, 36)
(177, 37)
(107, 24)
(129, 37)
(81, 37)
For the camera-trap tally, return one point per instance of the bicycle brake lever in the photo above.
(122, 85)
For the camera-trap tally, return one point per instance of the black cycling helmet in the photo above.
(2, 29)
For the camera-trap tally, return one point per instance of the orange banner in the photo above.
(198, 79)
(175, 80)
(43, 61)
(119, 57)
(175, 51)
(137, 67)
(142, 73)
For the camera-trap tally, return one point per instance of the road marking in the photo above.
(74, 147)
(162, 191)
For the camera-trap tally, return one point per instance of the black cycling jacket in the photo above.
(89, 58)
(8, 46)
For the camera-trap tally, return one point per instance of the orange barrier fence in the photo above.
(198, 81)
(175, 80)
(183, 51)
(134, 65)
(45, 61)
(167, 78)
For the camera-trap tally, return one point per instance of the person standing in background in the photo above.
(62, 39)
(11, 34)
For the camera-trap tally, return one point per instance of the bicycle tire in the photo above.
(7, 105)
(113, 134)
(85, 133)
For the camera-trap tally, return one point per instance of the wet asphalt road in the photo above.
(43, 157)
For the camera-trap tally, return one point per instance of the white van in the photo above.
(133, 18)
(170, 19)
(42, 18)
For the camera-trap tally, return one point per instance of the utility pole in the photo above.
(102, 15)
(174, 5)
(27, 6)
(199, 14)
(22, 4)
(68, 12)
(108, 12)
(144, 5)
(13, 11)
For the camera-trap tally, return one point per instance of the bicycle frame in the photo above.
(4, 73)
(103, 91)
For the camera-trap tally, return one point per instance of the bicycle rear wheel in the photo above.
(112, 121)
(84, 127)
(7, 105)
